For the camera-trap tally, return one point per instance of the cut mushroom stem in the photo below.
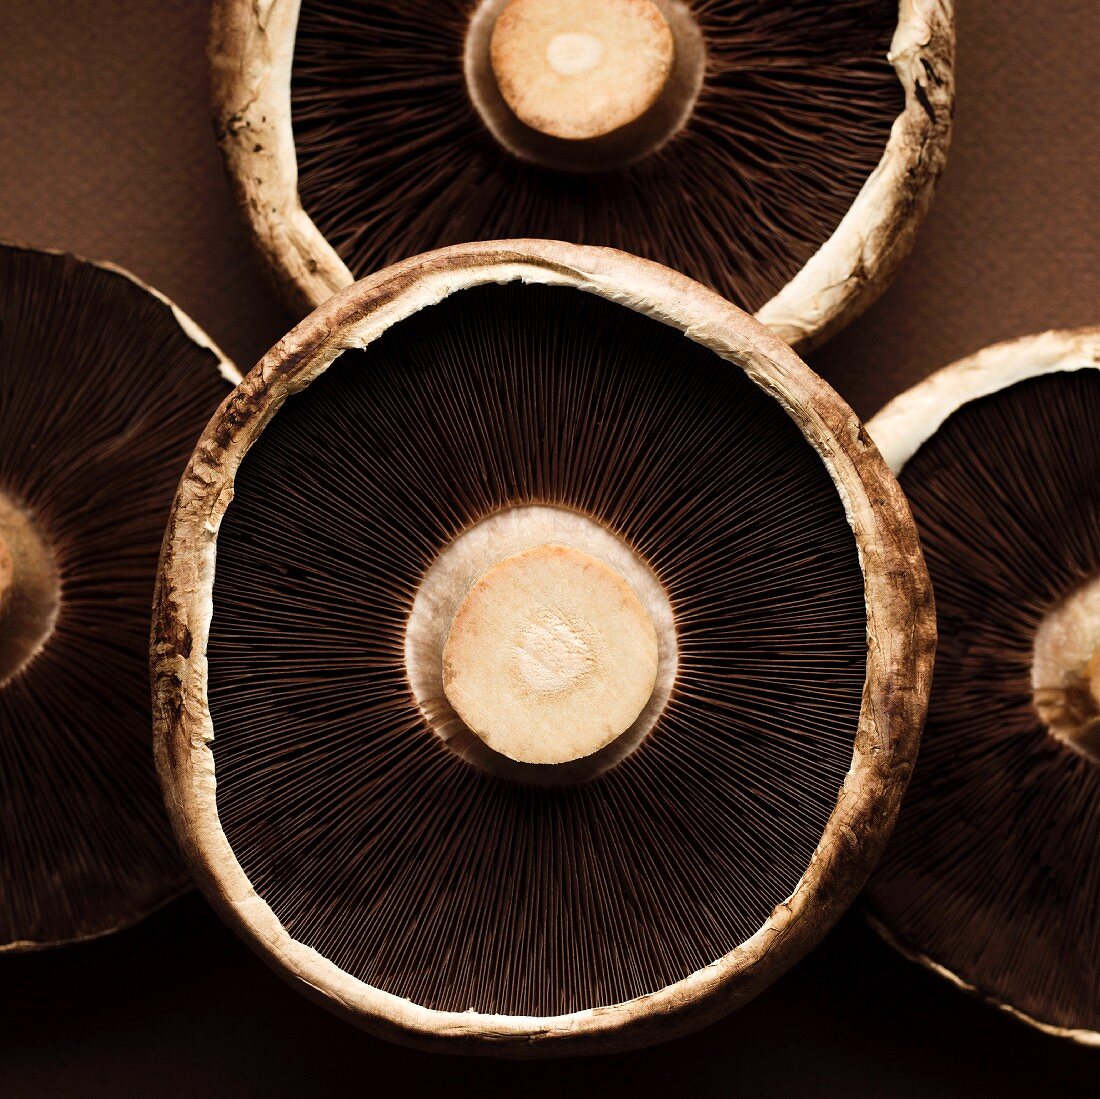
(551, 656)
(29, 589)
(1066, 671)
(456, 572)
(6, 571)
(581, 85)
(579, 69)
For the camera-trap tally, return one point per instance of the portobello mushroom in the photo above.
(539, 653)
(782, 154)
(992, 878)
(104, 387)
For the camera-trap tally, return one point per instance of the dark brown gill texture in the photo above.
(794, 112)
(102, 395)
(993, 871)
(421, 874)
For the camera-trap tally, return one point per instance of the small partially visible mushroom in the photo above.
(781, 153)
(104, 385)
(992, 877)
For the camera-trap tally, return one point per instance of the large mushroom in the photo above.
(104, 386)
(782, 154)
(993, 875)
(539, 654)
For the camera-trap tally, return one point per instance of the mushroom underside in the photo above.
(992, 872)
(102, 396)
(403, 146)
(376, 843)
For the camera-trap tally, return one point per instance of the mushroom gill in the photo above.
(993, 873)
(538, 663)
(102, 393)
(728, 139)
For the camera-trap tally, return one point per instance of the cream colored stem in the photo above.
(551, 656)
(1065, 671)
(1092, 677)
(579, 69)
(29, 588)
(1084, 735)
(7, 572)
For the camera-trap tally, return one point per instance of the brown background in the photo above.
(106, 150)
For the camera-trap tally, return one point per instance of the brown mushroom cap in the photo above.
(991, 877)
(785, 162)
(455, 410)
(104, 386)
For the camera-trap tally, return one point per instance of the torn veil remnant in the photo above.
(563, 663)
(993, 875)
(104, 386)
(782, 154)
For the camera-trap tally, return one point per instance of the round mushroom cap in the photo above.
(104, 386)
(782, 154)
(991, 875)
(531, 461)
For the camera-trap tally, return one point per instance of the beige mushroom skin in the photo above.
(1068, 641)
(251, 51)
(900, 643)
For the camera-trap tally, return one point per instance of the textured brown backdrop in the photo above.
(106, 149)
